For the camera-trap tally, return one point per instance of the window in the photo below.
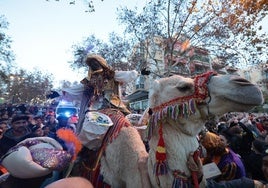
(140, 82)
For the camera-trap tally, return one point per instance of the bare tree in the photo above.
(227, 29)
(115, 51)
(27, 87)
(6, 54)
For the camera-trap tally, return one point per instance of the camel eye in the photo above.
(184, 88)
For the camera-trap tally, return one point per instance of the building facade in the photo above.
(187, 61)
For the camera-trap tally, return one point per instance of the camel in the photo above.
(178, 110)
(181, 106)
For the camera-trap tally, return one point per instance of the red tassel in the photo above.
(194, 174)
(160, 167)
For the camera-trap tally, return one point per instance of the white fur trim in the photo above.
(125, 76)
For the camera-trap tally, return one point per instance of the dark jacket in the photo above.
(253, 165)
(8, 140)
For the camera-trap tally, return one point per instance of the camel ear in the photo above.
(144, 118)
(154, 93)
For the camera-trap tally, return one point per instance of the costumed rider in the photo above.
(101, 111)
(100, 88)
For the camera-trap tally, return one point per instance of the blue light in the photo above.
(67, 114)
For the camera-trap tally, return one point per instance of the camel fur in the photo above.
(228, 93)
(125, 161)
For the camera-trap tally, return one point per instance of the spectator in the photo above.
(31, 119)
(211, 126)
(74, 119)
(240, 138)
(22, 108)
(4, 125)
(71, 124)
(62, 122)
(2, 131)
(1, 136)
(221, 127)
(52, 123)
(19, 131)
(253, 162)
(50, 112)
(39, 121)
(37, 131)
(196, 166)
(46, 130)
(227, 161)
(265, 126)
(264, 152)
(259, 127)
(4, 115)
(65, 122)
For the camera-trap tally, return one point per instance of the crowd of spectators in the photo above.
(236, 142)
(18, 122)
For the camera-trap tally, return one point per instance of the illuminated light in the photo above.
(67, 114)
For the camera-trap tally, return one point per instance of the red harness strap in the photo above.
(194, 174)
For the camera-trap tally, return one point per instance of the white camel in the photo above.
(181, 105)
(179, 108)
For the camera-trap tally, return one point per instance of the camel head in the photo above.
(221, 93)
(233, 93)
(204, 95)
(179, 108)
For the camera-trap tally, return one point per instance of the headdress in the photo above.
(98, 64)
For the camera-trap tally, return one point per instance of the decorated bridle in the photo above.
(186, 105)
(181, 107)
